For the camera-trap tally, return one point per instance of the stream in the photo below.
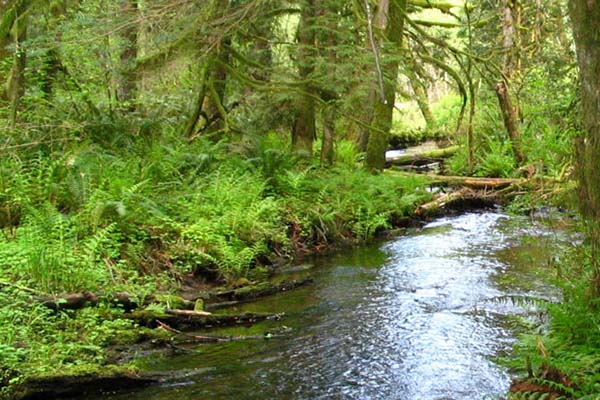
(422, 316)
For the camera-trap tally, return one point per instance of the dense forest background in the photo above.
(149, 143)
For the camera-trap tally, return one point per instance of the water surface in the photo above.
(422, 316)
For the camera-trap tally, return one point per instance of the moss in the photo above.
(80, 379)
(199, 305)
(172, 301)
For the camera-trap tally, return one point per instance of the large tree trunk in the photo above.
(585, 17)
(390, 20)
(304, 130)
(328, 15)
(511, 23)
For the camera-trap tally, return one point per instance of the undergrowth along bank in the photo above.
(560, 359)
(144, 218)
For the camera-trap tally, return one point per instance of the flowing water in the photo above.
(422, 316)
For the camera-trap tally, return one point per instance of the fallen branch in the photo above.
(22, 288)
(213, 338)
(196, 338)
(188, 313)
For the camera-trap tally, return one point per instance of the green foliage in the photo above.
(446, 112)
(346, 153)
(497, 161)
(571, 342)
(138, 218)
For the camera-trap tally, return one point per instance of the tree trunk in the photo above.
(304, 130)
(365, 118)
(390, 20)
(423, 101)
(415, 74)
(328, 137)
(585, 18)
(16, 79)
(190, 128)
(327, 38)
(511, 23)
(214, 104)
(510, 117)
(127, 86)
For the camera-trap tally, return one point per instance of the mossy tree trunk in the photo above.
(51, 64)
(304, 129)
(585, 18)
(10, 12)
(15, 86)
(416, 76)
(128, 80)
(214, 102)
(327, 40)
(209, 113)
(327, 150)
(389, 21)
(511, 43)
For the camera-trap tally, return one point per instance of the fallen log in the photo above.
(472, 182)
(455, 200)
(63, 386)
(70, 301)
(252, 292)
(128, 301)
(153, 319)
(424, 157)
(477, 183)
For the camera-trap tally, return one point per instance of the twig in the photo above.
(23, 288)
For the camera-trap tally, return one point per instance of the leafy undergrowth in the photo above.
(562, 360)
(140, 220)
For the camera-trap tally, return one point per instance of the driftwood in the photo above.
(424, 157)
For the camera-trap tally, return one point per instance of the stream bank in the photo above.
(423, 315)
(239, 243)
